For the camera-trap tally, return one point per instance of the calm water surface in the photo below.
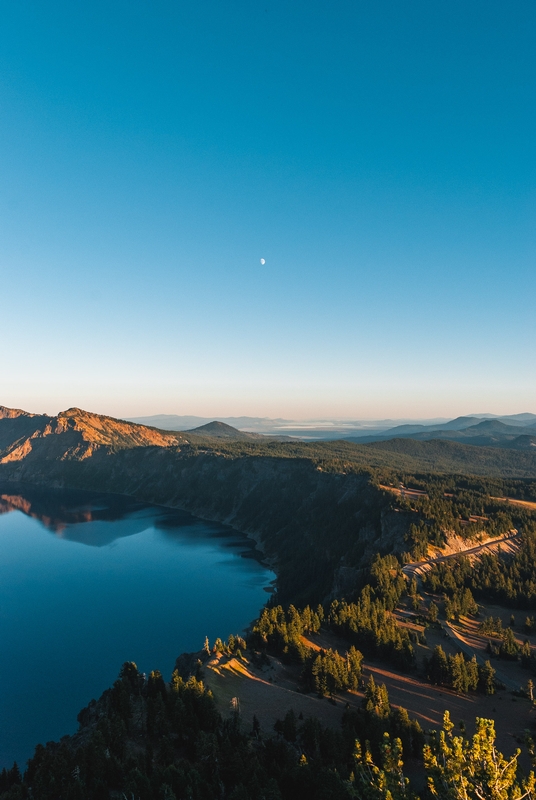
(88, 581)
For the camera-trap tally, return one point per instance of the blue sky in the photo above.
(379, 156)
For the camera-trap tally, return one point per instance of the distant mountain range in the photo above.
(517, 431)
(301, 429)
(39, 448)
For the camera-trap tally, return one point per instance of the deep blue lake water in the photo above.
(88, 581)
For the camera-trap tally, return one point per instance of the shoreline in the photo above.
(269, 562)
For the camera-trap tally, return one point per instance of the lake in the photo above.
(88, 581)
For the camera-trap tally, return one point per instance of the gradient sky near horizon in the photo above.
(380, 157)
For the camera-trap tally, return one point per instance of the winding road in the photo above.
(418, 568)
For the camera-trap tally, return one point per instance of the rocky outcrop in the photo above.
(72, 434)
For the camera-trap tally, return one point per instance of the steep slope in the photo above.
(16, 427)
(73, 434)
(305, 520)
(114, 433)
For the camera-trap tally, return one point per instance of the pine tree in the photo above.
(369, 782)
(486, 678)
(461, 770)
(437, 666)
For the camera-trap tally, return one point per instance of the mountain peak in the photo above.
(221, 430)
(76, 433)
(99, 429)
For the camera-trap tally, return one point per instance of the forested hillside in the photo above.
(340, 523)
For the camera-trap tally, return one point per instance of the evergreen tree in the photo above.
(438, 667)
(370, 782)
(461, 770)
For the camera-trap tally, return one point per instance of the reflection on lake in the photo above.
(88, 581)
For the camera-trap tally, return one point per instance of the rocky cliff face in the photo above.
(18, 427)
(73, 434)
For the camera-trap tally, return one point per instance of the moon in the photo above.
(263, 261)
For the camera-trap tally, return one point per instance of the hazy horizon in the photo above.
(327, 418)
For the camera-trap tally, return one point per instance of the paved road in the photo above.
(418, 568)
